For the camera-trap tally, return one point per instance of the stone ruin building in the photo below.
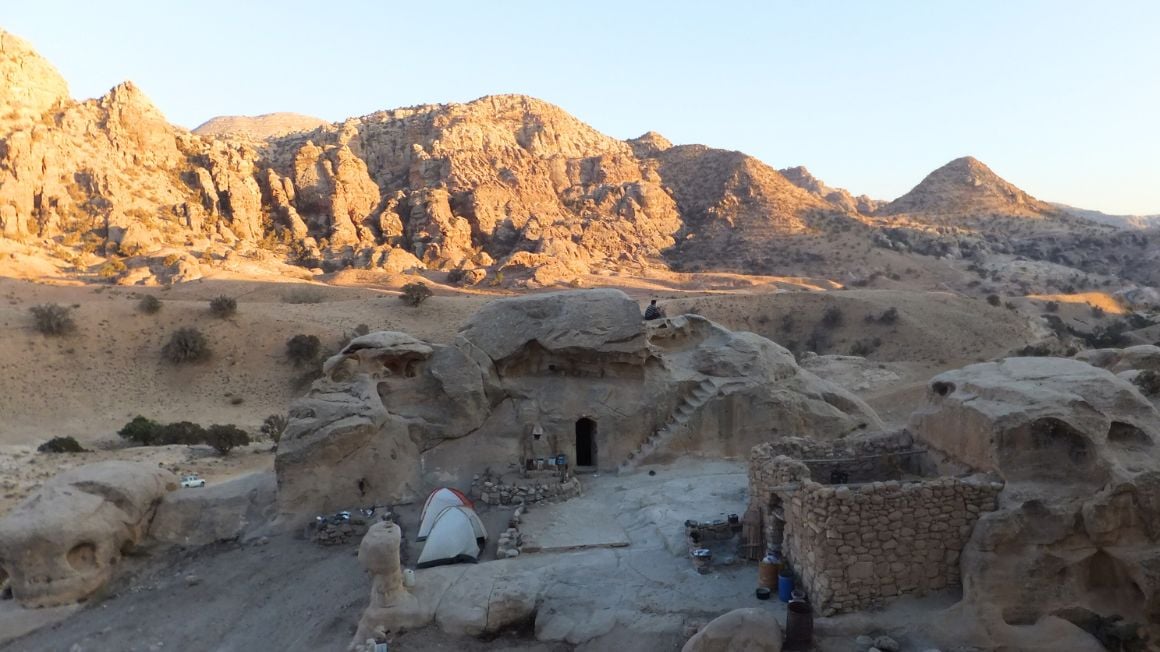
(1030, 484)
(603, 390)
(867, 520)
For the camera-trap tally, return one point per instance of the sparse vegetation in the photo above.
(61, 445)
(415, 293)
(994, 299)
(224, 438)
(52, 319)
(302, 349)
(223, 306)
(146, 432)
(833, 317)
(1051, 306)
(149, 304)
(186, 345)
(1098, 312)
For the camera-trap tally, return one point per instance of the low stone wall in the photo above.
(493, 490)
(855, 546)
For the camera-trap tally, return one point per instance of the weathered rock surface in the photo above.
(1075, 536)
(259, 127)
(219, 512)
(390, 404)
(63, 542)
(29, 85)
(1144, 357)
(740, 630)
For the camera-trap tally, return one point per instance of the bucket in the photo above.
(702, 557)
(799, 625)
(785, 585)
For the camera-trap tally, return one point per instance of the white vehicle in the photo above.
(190, 481)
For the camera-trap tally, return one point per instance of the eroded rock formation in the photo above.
(1075, 536)
(608, 390)
(63, 542)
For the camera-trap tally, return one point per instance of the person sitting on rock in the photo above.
(653, 311)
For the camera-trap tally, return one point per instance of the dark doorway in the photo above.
(585, 442)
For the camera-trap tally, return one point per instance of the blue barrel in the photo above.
(785, 586)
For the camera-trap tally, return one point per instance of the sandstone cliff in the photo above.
(502, 184)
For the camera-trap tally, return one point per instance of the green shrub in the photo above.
(415, 293)
(61, 445)
(52, 319)
(223, 306)
(142, 431)
(225, 438)
(186, 345)
(149, 304)
(112, 269)
(301, 349)
(181, 432)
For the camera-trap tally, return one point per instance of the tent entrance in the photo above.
(585, 442)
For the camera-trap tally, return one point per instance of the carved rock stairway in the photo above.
(676, 423)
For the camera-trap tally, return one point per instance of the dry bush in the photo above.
(52, 319)
(186, 345)
(223, 306)
(415, 293)
(149, 304)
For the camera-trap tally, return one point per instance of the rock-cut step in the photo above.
(686, 408)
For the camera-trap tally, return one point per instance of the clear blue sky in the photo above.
(1060, 97)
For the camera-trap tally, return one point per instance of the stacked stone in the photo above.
(855, 547)
(495, 492)
(334, 534)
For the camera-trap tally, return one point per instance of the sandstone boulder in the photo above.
(1075, 535)
(62, 543)
(740, 630)
(219, 512)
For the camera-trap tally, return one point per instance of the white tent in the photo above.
(454, 537)
(439, 500)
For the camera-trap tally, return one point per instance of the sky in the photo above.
(1062, 98)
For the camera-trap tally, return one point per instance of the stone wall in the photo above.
(854, 546)
(507, 490)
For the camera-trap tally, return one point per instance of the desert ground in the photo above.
(283, 591)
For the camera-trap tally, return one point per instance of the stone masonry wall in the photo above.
(856, 546)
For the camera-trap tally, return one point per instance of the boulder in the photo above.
(218, 512)
(1031, 419)
(740, 630)
(62, 543)
(1077, 529)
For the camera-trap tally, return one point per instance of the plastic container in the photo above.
(763, 593)
(785, 585)
(767, 571)
(408, 577)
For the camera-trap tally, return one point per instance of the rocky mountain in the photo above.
(967, 187)
(260, 127)
(505, 184)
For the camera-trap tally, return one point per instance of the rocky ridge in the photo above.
(108, 188)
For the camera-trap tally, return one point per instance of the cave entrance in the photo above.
(585, 442)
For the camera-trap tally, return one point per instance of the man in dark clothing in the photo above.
(653, 311)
